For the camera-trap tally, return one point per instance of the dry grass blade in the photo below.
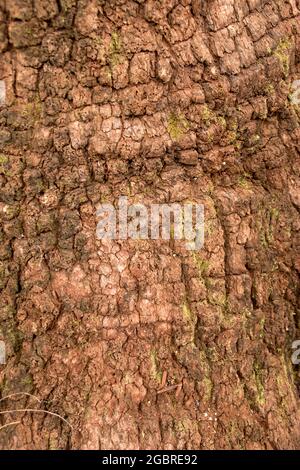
(168, 389)
(33, 410)
(13, 395)
(9, 424)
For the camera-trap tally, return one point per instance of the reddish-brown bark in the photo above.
(162, 102)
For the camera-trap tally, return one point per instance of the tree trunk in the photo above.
(141, 343)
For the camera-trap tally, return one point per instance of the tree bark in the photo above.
(142, 344)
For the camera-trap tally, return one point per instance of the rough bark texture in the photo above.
(162, 101)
